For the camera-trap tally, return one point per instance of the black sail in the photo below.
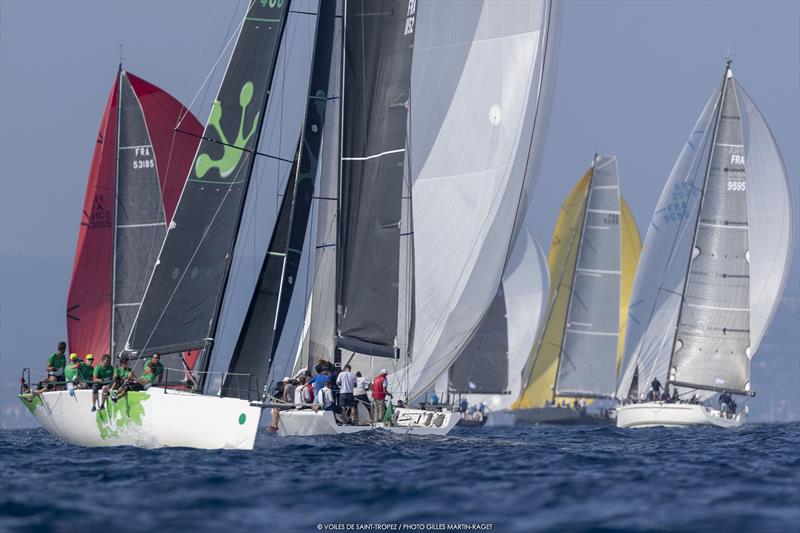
(140, 222)
(378, 46)
(181, 306)
(482, 367)
(266, 314)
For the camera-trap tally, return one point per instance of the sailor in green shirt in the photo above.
(86, 371)
(101, 377)
(57, 362)
(72, 372)
(124, 380)
(153, 371)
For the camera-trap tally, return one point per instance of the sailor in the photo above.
(665, 397)
(72, 371)
(347, 384)
(101, 377)
(85, 371)
(656, 385)
(321, 378)
(57, 362)
(360, 392)
(325, 398)
(153, 371)
(287, 394)
(379, 394)
(724, 402)
(434, 398)
(124, 380)
(675, 398)
(463, 405)
(301, 393)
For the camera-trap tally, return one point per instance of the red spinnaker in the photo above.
(89, 304)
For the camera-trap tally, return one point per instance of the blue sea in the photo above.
(543, 478)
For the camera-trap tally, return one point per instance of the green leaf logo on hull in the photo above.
(232, 150)
(127, 412)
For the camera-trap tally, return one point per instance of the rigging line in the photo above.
(254, 152)
(204, 84)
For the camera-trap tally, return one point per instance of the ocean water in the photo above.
(543, 478)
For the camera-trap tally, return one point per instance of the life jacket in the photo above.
(378, 392)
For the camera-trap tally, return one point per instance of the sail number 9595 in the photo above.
(737, 185)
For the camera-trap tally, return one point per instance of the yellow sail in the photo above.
(543, 363)
(540, 372)
(630, 250)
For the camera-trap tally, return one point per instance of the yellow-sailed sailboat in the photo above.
(592, 262)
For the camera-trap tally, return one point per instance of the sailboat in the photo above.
(715, 263)
(180, 308)
(441, 115)
(592, 259)
(136, 176)
(488, 372)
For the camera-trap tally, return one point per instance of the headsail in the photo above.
(480, 82)
(126, 210)
(270, 302)
(181, 306)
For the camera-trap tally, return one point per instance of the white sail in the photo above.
(656, 295)
(479, 80)
(769, 207)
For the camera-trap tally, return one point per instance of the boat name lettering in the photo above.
(410, 17)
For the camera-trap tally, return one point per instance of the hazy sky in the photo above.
(632, 79)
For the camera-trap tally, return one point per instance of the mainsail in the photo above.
(716, 255)
(592, 262)
(137, 172)
(272, 295)
(181, 307)
(492, 363)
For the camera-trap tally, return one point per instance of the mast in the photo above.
(574, 273)
(707, 172)
(111, 347)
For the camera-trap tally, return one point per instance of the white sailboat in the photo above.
(715, 262)
(442, 114)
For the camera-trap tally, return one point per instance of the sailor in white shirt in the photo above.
(347, 382)
(325, 398)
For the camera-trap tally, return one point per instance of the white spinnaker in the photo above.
(657, 288)
(769, 212)
(469, 174)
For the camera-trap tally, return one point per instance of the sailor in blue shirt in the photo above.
(320, 379)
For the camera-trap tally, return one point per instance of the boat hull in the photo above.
(148, 419)
(556, 415)
(658, 414)
(308, 423)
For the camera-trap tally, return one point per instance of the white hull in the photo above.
(149, 419)
(307, 423)
(653, 414)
